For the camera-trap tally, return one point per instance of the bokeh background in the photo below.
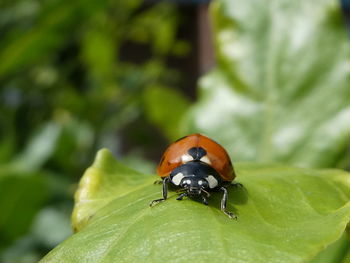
(76, 76)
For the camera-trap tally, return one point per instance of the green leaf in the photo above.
(165, 108)
(156, 26)
(100, 185)
(98, 50)
(285, 214)
(280, 91)
(21, 198)
(21, 48)
(39, 149)
(335, 252)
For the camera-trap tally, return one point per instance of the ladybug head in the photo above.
(194, 185)
(195, 178)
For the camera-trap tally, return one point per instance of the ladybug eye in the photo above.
(186, 182)
(203, 183)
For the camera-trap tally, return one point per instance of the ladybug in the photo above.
(196, 165)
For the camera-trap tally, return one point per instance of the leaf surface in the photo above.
(285, 214)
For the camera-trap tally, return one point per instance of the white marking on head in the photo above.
(205, 159)
(212, 181)
(177, 178)
(186, 158)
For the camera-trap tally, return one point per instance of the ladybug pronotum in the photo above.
(196, 166)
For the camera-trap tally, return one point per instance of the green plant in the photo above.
(281, 87)
(285, 215)
(279, 94)
(66, 90)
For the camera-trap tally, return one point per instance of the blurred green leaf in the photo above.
(70, 86)
(51, 226)
(165, 107)
(21, 198)
(285, 215)
(281, 88)
(98, 49)
(39, 149)
(155, 26)
(6, 148)
(22, 253)
(76, 138)
(143, 165)
(336, 252)
(347, 258)
(49, 32)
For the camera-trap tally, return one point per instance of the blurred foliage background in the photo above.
(76, 76)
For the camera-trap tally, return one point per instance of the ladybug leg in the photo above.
(181, 196)
(224, 204)
(165, 193)
(204, 200)
(206, 192)
(158, 182)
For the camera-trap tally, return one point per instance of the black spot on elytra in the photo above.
(197, 153)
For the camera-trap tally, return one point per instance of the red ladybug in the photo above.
(196, 165)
